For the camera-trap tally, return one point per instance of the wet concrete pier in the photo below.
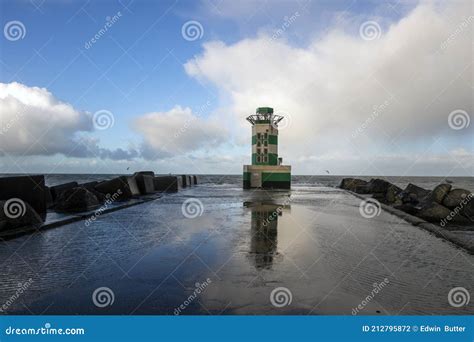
(237, 247)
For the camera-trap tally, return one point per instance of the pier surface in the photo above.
(153, 257)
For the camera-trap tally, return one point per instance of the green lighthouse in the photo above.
(266, 170)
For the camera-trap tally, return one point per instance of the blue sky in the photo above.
(143, 65)
(138, 65)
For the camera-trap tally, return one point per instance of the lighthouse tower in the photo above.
(266, 170)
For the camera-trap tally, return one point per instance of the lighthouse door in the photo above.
(256, 180)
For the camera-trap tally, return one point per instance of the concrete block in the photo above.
(145, 183)
(77, 200)
(89, 185)
(15, 214)
(126, 184)
(147, 173)
(57, 189)
(184, 180)
(195, 180)
(30, 189)
(190, 181)
(166, 183)
(48, 198)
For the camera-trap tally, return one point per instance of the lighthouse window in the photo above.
(258, 135)
(265, 151)
(265, 135)
(258, 151)
(258, 159)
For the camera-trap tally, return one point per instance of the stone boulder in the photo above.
(439, 193)
(433, 212)
(468, 208)
(413, 194)
(377, 185)
(352, 183)
(76, 200)
(456, 198)
(408, 208)
(408, 198)
(122, 188)
(436, 213)
(379, 196)
(15, 213)
(361, 189)
(391, 196)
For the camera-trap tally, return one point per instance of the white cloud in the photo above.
(178, 132)
(34, 122)
(407, 81)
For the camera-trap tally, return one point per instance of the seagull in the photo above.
(327, 171)
(128, 168)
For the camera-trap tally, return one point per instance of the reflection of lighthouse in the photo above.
(266, 170)
(264, 229)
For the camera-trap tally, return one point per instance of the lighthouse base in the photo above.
(267, 176)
